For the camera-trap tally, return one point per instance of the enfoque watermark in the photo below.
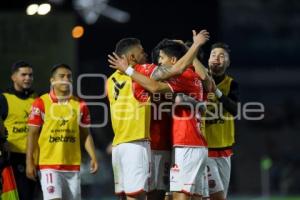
(127, 111)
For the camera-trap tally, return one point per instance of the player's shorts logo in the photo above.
(175, 168)
(212, 183)
(50, 189)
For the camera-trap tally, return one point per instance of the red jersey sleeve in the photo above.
(139, 92)
(36, 116)
(85, 114)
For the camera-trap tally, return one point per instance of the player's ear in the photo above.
(131, 58)
(173, 60)
(51, 80)
(13, 77)
(228, 60)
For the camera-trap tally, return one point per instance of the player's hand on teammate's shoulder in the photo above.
(117, 62)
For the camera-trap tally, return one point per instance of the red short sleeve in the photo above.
(85, 114)
(139, 92)
(36, 116)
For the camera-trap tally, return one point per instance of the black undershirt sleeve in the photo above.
(3, 107)
(230, 102)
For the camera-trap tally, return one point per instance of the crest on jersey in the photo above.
(50, 189)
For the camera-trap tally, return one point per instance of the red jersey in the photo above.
(186, 123)
(159, 127)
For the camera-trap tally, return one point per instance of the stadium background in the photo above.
(263, 36)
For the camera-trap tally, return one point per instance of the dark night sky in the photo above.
(150, 21)
(262, 29)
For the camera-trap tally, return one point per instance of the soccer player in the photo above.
(219, 131)
(15, 106)
(161, 147)
(58, 125)
(130, 116)
(188, 136)
(173, 51)
(170, 52)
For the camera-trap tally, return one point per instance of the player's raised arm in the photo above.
(121, 63)
(164, 73)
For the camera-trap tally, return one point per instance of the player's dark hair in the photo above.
(221, 45)
(19, 64)
(126, 44)
(155, 55)
(172, 48)
(58, 66)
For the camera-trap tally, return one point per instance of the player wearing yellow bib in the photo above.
(15, 105)
(58, 124)
(219, 130)
(130, 116)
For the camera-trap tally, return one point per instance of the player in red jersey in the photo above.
(131, 141)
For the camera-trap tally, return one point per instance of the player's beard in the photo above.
(217, 70)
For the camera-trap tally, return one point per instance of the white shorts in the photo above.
(160, 170)
(186, 172)
(219, 174)
(131, 167)
(60, 184)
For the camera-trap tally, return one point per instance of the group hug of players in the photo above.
(167, 143)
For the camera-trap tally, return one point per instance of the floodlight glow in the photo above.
(32, 9)
(77, 32)
(44, 9)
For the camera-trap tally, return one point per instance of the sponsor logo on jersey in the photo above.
(55, 139)
(23, 129)
(118, 87)
(51, 189)
(175, 168)
(63, 122)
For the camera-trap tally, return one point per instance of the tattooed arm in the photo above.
(167, 72)
(152, 85)
(163, 73)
